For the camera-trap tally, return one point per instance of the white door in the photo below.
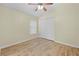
(46, 28)
(33, 27)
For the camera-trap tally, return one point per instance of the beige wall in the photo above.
(0, 52)
(14, 26)
(67, 24)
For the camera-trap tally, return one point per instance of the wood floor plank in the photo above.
(40, 47)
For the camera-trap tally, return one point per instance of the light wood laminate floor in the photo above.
(40, 47)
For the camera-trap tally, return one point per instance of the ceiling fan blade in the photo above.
(35, 3)
(36, 9)
(48, 3)
(44, 9)
(32, 3)
(40, 3)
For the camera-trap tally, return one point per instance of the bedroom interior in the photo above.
(39, 29)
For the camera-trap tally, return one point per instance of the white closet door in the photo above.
(46, 28)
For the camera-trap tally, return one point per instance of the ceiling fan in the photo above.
(40, 5)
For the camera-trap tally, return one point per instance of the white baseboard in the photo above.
(36, 36)
(76, 46)
(28, 38)
(49, 38)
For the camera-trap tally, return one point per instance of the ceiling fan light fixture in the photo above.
(40, 7)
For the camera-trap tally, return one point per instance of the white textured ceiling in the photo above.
(30, 9)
